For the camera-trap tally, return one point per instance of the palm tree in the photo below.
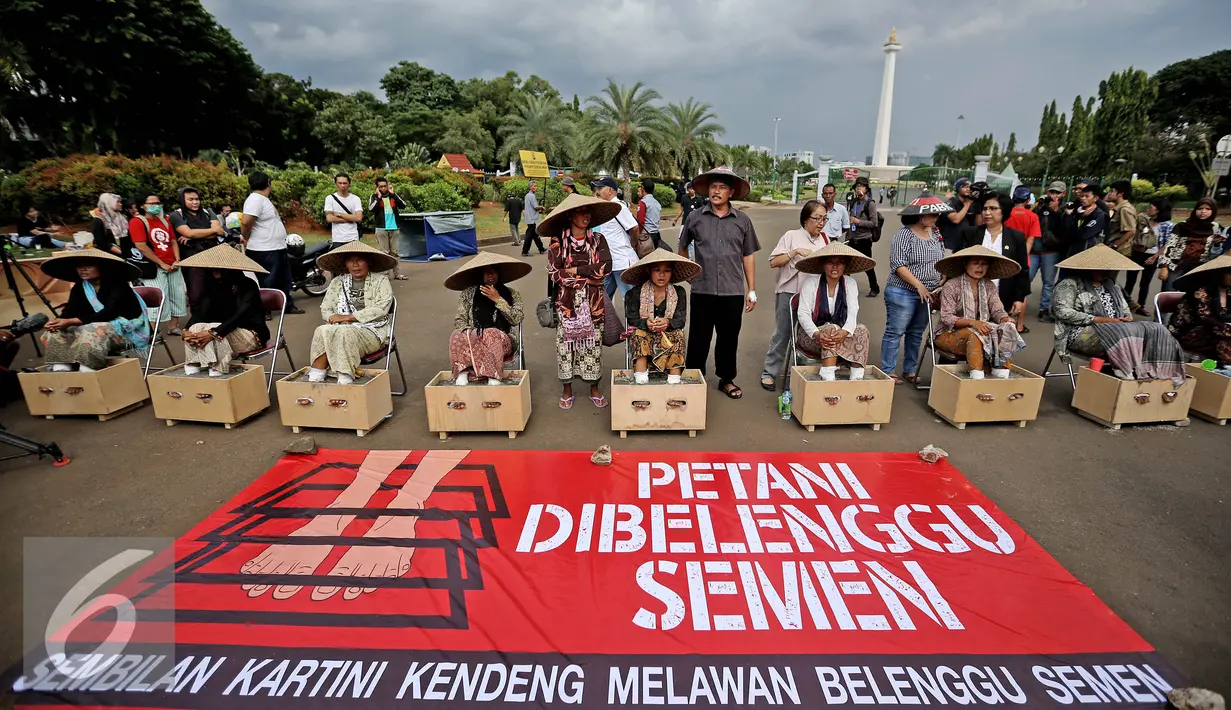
(623, 130)
(411, 155)
(691, 130)
(945, 155)
(542, 124)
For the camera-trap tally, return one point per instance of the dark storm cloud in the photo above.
(816, 64)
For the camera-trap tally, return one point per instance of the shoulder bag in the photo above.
(358, 225)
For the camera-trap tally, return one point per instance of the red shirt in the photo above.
(1024, 221)
(161, 239)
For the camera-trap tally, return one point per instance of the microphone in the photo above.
(32, 323)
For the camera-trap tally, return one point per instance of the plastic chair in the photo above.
(152, 297)
(389, 350)
(274, 301)
(1165, 302)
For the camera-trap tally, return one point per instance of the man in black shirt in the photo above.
(692, 202)
(963, 215)
(513, 207)
(1089, 219)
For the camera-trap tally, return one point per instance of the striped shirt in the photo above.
(919, 256)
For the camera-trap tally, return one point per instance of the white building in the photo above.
(763, 150)
(803, 156)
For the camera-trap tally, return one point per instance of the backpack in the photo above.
(879, 228)
(1052, 242)
(134, 256)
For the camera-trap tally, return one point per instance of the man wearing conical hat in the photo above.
(229, 317)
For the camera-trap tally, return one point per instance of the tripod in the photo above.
(6, 257)
(31, 448)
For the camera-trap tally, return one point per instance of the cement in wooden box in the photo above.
(960, 400)
(227, 400)
(842, 401)
(117, 388)
(361, 406)
(1211, 395)
(1111, 401)
(478, 406)
(657, 406)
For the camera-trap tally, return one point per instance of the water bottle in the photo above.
(784, 405)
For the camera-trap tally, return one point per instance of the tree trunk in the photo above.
(627, 167)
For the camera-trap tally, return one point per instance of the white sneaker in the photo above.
(61, 367)
(462, 380)
(345, 379)
(214, 372)
(315, 375)
(856, 373)
(192, 369)
(829, 374)
(976, 374)
(493, 382)
(83, 368)
(673, 379)
(641, 378)
(1000, 373)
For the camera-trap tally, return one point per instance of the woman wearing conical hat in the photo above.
(827, 318)
(228, 317)
(487, 313)
(973, 321)
(1093, 319)
(657, 308)
(103, 314)
(1202, 320)
(355, 309)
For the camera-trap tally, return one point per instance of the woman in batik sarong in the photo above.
(103, 314)
(827, 327)
(356, 309)
(656, 309)
(1093, 319)
(1202, 320)
(228, 318)
(488, 313)
(973, 322)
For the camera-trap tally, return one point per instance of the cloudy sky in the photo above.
(815, 63)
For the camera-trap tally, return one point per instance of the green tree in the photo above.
(535, 85)
(352, 133)
(692, 128)
(409, 84)
(538, 123)
(624, 130)
(945, 155)
(1195, 91)
(1122, 119)
(465, 134)
(1053, 128)
(410, 156)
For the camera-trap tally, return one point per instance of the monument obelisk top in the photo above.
(884, 117)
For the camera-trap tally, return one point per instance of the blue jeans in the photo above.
(612, 281)
(905, 315)
(1046, 262)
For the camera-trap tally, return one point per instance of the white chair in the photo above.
(152, 297)
(389, 350)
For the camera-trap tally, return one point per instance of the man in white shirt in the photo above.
(265, 238)
(619, 233)
(839, 222)
(343, 211)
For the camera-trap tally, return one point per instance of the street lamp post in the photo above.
(776, 120)
(1047, 169)
(958, 144)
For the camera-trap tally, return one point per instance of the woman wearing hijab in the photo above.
(657, 309)
(487, 313)
(973, 322)
(110, 224)
(1202, 320)
(355, 309)
(103, 314)
(829, 328)
(1093, 319)
(1191, 244)
(228, 317)
(197, 228)
(578, 260)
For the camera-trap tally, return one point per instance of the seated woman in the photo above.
(110, 224)
(355, 308)
(487, 313)
(35, 232)
(973, 321)
(103, 314)
(1202, 320)
(228, 317)
(657, 309)
(1093, 319)
(827, 328)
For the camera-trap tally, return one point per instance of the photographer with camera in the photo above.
(864, 222)
(964, 215)
(1088, 217)
(1047, 250)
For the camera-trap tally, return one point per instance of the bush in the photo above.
(436, 197)
(665, 195)
(519, 186)
(1173, 193)
(754, 196)
(1143, 190)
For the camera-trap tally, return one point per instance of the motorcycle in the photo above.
(305, 274)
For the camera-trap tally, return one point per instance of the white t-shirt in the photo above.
(268, 233)
(615, 231)
(344, 231)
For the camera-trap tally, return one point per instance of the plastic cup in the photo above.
(1097, 363)
(1209, 365)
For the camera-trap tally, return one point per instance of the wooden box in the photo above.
(657, 406)
(1211, 395)
(227, 400)
(960, 400)
(107, 393)
(1111, 401)
(478, 406)
(361, 406)
(819, 403)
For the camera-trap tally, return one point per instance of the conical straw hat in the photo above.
(63, 264)
(222, 256)
(856, 262)
(471, 273)
(682, 268)
(1187, 281)
(998, 266)
(335, 261)
(600, 210)
(1099, 257)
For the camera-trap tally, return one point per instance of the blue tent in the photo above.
(424, 234)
